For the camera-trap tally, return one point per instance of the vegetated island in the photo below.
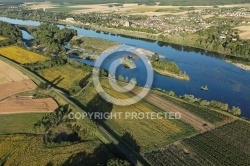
(127, 62)
(167, 68)
(92, 47)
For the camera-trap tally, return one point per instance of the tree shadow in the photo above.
(128, 138)
(84, 81)
(57, 80)
(98, 104)
(100, 156)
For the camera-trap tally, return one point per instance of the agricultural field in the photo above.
(10, 74)
(244, 32)
(12, 81)
(27, 105)
(2, 38)
(66, 77)
(226, 145)
(13, 147)
(21, 55)
(19, 123)
(148, 134)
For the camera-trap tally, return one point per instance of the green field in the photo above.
(143, 135)
(66, 77)
(226, 145)
(22, 150)
(19, 123)
(93, 45)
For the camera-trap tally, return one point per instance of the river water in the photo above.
(226, 82)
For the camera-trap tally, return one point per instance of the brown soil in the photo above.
(12, 88)
(27, 105)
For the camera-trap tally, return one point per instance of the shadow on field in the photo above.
(98, 104)
(100, 156)
(57, 80)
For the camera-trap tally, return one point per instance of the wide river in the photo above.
(226, 82)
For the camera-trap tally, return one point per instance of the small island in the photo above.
(167, 68)
(127, 62)
(92, 47)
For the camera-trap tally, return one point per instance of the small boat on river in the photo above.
(205, 88)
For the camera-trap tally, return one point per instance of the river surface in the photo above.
(226, 82)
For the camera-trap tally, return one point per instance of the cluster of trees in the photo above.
(55, 61)
(12, 34)
(214, 104)
(164, 65)
(52, 37)
(224, 39)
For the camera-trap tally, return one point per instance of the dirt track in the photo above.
(27, 105)
(167, 106)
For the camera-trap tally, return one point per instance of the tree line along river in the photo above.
(226, 82)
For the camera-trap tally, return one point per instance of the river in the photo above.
(226, 82)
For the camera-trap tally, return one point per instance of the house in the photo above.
(126, 23)
(70, 19)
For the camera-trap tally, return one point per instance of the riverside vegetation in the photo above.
(167, 68)
(59, 140)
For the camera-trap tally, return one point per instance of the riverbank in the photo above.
(240, 65)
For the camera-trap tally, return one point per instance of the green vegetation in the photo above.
(148, 134)
(92, 45)
(127, 62)
(167, 68)
(11, 33)
(212, 104)
(67, 77)
(222, 39)
(36, 153)
(52, 37)
(222, 146)
(202, 112)
(19, 123)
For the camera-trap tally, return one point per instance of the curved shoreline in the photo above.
(166, 73)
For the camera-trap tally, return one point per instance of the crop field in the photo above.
(36, 153)
(245, 32)
(10, 74)
(19, 123)
(226, 145)
(16, 87)
(2, 38)
(65, 77)
(12, 81)
(27, 105)
(21, 55)
(142, 134)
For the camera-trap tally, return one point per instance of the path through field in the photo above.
(167, 106)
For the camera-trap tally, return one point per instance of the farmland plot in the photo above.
(27, 105)
(12, 81)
